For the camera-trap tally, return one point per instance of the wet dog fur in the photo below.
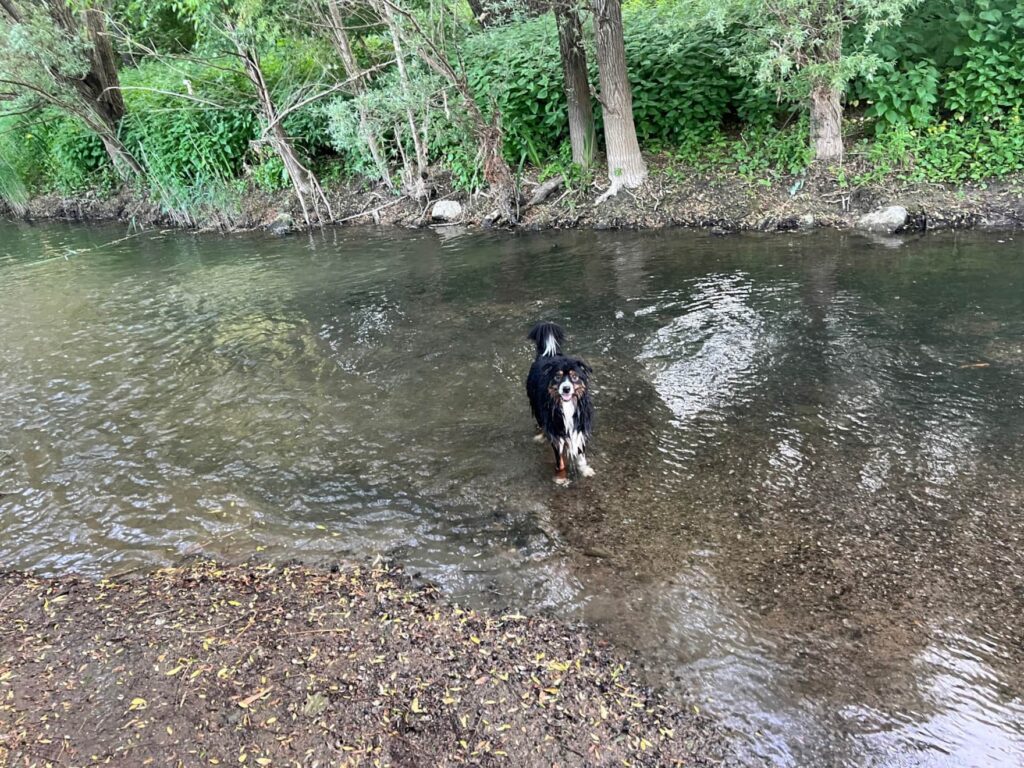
(558, 388)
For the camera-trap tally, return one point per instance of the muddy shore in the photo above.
(674, 197)
(272, 665)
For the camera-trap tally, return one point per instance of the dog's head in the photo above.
(567, 378)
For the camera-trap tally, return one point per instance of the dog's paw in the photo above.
(587, 471)
(538, 438)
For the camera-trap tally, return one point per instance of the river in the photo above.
(807, 514)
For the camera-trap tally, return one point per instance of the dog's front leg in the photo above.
(561, 466)
(585, 469)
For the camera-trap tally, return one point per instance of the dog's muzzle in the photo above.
(565, 390)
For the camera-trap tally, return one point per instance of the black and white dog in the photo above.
(557, 388)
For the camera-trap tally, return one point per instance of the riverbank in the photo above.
(208, 664)
(676, 196)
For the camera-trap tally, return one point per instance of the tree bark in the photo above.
(576, 83)
(826, 123)
(354, 72)
(626, 166)
(102, 105)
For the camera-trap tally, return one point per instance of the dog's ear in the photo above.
(586, 368)
(549, 367)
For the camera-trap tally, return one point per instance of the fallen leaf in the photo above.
(248, 701)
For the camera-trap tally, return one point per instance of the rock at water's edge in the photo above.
(446, 210)
(884, 220)
(284, 224)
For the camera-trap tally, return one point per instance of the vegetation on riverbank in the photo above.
(264, 665)
(195, 106)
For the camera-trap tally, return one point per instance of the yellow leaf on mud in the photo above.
(137, 703)
(176, 670)
(416, 705)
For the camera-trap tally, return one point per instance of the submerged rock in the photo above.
(884, 220)
(284, 224)
(446, 210)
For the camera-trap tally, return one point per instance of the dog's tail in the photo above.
(548, 337)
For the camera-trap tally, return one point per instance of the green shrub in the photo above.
(961, 59)
(761, 151)
(12, 186)
(20, 153)
(269, 174)
(77, 161)
(905, 97)
(342, 120)
(682, 88)
(180, 141)
(944, 151)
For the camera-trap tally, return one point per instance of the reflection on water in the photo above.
(704, 357)
(807, 508)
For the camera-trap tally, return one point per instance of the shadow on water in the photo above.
(807, 508)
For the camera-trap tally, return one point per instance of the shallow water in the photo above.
(807, 514)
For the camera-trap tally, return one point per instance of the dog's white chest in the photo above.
(574, 438)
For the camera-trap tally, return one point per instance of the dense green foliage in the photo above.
(936, 98)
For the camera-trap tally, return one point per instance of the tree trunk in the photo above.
(99, 88)
(576, 84)
(102, 76)
(826, 123)
(482, 15)
(626, 167)
(354, 72)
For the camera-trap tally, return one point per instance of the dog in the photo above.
(558, 388)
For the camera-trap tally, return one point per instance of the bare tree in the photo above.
(304, 181)
(355, 73)
(416, 176)
(626, 166)
(487, 132)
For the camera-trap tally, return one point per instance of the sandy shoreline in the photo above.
(271, 665)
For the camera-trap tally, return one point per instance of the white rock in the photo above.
(446, 210)
(884, 220)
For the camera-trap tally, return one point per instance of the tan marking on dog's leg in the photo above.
(561, 473)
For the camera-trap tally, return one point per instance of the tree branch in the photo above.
(316, 97)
